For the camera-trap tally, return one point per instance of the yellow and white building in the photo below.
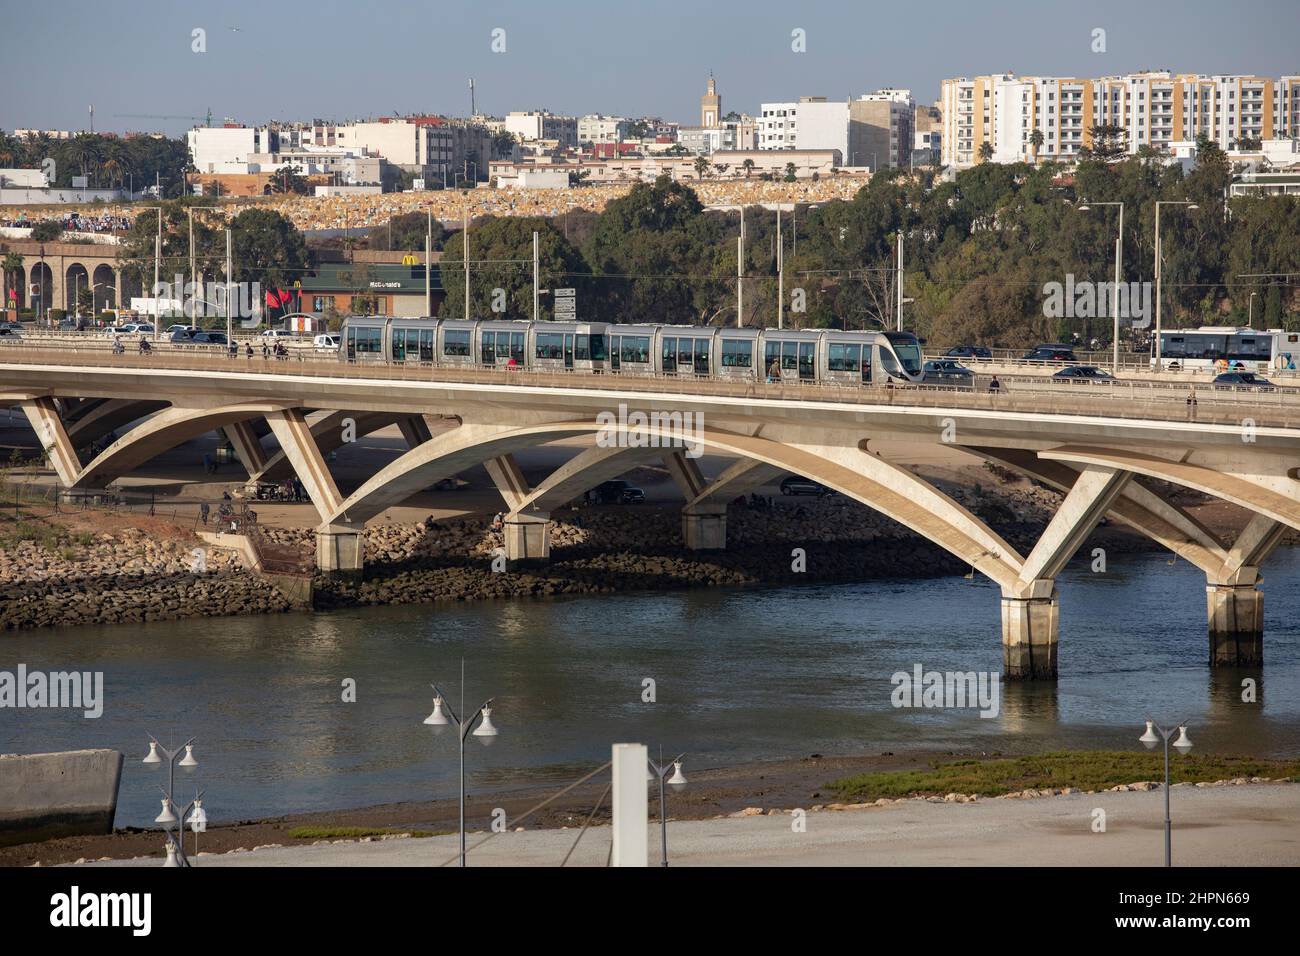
(1156, 109)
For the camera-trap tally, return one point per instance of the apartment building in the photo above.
(874, 129)
(541, 125)
(595, 128)
(1155, 109)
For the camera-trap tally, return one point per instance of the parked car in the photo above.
(328, 342)
(72, 324)
(276, 334)
(1051, 352)
(7, 331)
(199, 337)
(1242, 380)
(617, 492)
(969, 351)
(173, 329)
(1081, 372)
(796, 485)
(946, 372)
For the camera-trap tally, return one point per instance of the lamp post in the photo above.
(1182, 745)
(677, 782)
(1160, 267)
(485, 732)
(168, 817)
(1250, 311)
(193, 285)
(1119, 258)
(157, 261)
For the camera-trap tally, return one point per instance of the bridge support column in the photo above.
(248, 448)
(704, 527)
(340, 550)
(1236, 624)
(528, 537)
(414, 429)
(1030, 628)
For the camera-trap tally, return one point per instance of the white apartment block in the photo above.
(538, 124)
(221, 149)
(1156, 109)
(595, 128)
(874, 129)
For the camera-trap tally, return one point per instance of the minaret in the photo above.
(711, 106)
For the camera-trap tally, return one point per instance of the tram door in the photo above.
(807, 365)
(568, 350)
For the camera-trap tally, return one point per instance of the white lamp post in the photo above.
(168, 816)
(444, 716)
(1119, 260)
(678, 782)
(1183, 744)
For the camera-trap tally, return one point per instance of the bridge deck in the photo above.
(1125, 399)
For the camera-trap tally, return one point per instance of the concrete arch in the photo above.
(891, 490)
(106, 415)
(104, 283)
(1251, 495)
(76, 279)
(162, 432)
(584, 471)
(327, 432)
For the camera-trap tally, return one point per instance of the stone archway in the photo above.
(40, 288)
(104, 285)
(76, 280)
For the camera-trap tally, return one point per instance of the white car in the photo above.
(326, 343)
(134, 328)
(276, 334)
(176, 328)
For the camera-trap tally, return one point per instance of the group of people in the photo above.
(74, 222)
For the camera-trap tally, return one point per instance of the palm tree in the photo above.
(986, 151)
(12, 265)
(701, 167)
(749, 167)
(1036, 141)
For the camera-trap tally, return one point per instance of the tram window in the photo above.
(737, 353)
(517, 347)
(634, 348)
(843, 357)
(582, 350)
(365, 340)
(426, 345)
(670, 354)
(685, 356)
(789, 356)
(701, 356)
(806, 354)
(550, 345)
(599, 353)
(455, 342)
(399, 345)
(866, 365)
(489, 348)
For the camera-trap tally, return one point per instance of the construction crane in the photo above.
(208, 117)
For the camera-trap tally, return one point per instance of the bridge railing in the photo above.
(1121, 398)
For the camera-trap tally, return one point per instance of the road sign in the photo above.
(565, 307)
(565, 293)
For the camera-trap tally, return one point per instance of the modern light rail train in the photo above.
(809, 355)
(1226, 347)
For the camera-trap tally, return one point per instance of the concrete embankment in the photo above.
(43, 796)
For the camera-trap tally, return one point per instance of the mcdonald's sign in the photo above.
(410, 260)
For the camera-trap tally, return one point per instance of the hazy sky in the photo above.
(269, 60)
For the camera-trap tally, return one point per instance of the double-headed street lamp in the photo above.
(169, 817)
(485, 732)
(677, 781)
(1182, 745)
(1160, 266)
(1119, 261)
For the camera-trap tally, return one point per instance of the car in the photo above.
(617, 492)
(797, 485)
(7, 331)
(72, 325)
(969, 351)
(173, 329)
(328, 342)
(1051, 352)
(198, 337)
(1242, 380)
(1082, 372)
(276, 334)
(946, 372)
(11, 326)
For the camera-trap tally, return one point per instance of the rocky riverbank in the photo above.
(56, 575)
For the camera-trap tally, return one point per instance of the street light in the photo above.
(1119, 256)
(1182, 745)
(168, 816)
(486, 732)
(677, 782)
(1250, 311)
(1160, 266)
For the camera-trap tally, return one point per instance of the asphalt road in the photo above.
(1252, 825)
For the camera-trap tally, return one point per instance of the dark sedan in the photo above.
(1051, 353)
(946, 372)
(1242, 380)
(795, 485)
(969, 351)
(1090, 373)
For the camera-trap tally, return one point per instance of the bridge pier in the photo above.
(1236, 624)
(340, 550)
(704, 527)
(527, 537)
(1030, 629)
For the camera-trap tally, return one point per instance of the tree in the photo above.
(289, 180)
(701, 167)
(1036, 141)
(748, 164)
(1107, 143)
(407, 232)
(12, 265)
(985, 151)
(501, 253)
(47, 230)
(268, 249)
(789, 172)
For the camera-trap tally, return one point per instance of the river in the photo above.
(739, 675)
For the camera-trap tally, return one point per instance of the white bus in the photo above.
(1220, 348)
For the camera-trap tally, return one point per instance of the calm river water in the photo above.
(739, 675)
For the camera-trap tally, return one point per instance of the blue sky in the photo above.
(342, 60)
